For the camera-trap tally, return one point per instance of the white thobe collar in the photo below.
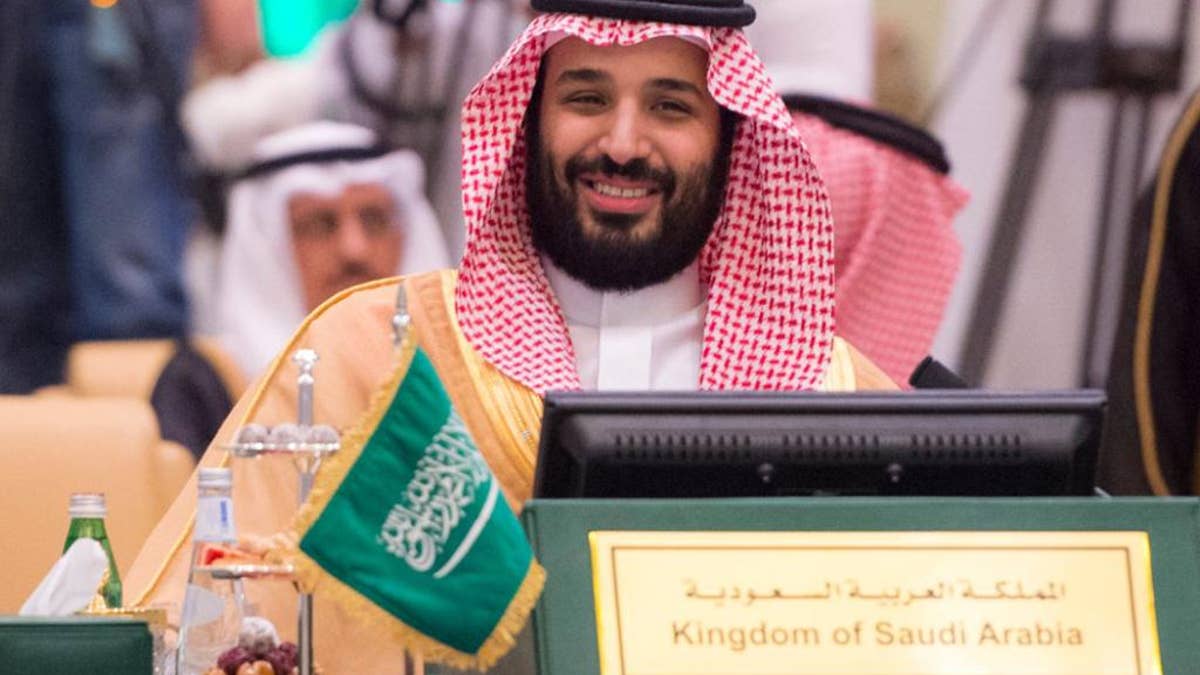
(648, 339)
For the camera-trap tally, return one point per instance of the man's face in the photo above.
(343, 240)
(626, 169)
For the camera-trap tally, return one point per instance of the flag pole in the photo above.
(307, 464)
(400, 322)
(307, 444)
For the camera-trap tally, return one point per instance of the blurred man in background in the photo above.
(1150, 443)
(324, 207)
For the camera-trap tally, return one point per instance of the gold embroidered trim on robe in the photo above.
(1143, 401)
(503, 415)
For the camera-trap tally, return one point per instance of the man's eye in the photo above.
(672, 107)
(375, 220)
(585, 100)
(316, 225)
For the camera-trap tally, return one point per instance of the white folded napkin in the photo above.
(71, 583)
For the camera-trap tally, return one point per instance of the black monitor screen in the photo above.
(727, 444)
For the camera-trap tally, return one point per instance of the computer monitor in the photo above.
(742, 444)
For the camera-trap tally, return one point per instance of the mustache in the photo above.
(354, 270)
(636, 169)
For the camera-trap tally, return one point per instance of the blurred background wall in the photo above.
(1038, 343)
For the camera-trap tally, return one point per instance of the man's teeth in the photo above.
(626, 193)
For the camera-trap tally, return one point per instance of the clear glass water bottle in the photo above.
(88, 510)
(212, 608)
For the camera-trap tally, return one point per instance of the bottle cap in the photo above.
(88, 505)
(215, 478)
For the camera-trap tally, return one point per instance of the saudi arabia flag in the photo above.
(407, 518)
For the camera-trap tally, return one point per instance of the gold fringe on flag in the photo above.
(312, 578)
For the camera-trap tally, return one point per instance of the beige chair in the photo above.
(117, 367)
(54, 444)
(131, 367)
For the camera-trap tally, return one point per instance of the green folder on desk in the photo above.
(75, 645)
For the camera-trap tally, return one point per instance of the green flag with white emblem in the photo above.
(407, 519)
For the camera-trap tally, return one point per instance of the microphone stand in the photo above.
(1056, 65)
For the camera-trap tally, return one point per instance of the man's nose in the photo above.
(624, 140)
(353, 242)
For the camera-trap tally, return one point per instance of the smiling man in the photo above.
(641, 212)
(641, 215)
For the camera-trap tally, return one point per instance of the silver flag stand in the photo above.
(400, 322)
(307, 445)
(307, 464)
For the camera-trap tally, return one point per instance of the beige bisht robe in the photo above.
(352, 334)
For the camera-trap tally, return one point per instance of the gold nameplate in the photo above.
(878, 603)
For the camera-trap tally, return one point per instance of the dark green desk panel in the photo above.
(565, 620)
(74, 645)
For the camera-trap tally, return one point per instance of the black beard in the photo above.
(613, 260)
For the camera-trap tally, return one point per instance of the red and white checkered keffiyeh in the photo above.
(768, 264)
(897, 253)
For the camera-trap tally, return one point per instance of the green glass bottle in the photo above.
(87, 511)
